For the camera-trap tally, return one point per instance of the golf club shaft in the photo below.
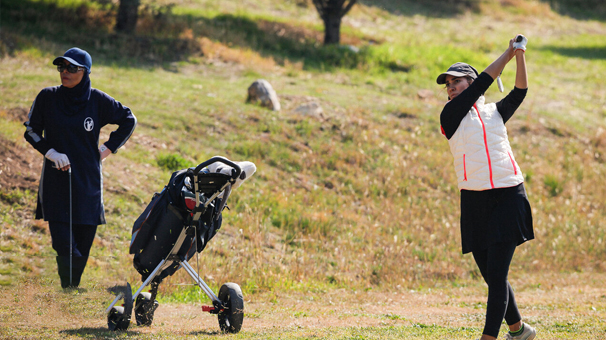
(71, 236)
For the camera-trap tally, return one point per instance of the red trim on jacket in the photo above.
(464, 168)
(486, 146)
(515, 171)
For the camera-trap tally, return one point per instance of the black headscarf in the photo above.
(75, 99)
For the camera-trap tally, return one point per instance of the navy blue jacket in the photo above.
(74, 130)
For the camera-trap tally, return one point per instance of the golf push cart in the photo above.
(178, 222)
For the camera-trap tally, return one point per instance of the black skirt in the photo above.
(493, 216)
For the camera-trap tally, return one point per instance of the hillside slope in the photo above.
(363, 194)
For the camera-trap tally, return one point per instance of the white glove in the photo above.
(60, 159)
(519, 43)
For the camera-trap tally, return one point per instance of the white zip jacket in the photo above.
(482, 155)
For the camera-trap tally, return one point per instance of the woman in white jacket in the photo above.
(495, 212)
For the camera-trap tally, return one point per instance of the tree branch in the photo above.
(348, 7)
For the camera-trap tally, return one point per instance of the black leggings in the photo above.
(494, 265)
(83, 236)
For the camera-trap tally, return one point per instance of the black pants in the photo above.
(82, 238)
(494, 265)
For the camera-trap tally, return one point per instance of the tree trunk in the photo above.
(127, 16)
(332, 29)
(331, 12)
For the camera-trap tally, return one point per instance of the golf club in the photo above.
(70, 226)
(519, 38)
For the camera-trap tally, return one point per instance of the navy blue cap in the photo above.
(458, 70)
(76, 56)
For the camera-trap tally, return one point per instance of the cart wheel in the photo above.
(144, 309)
(230, 319)
(116, 320)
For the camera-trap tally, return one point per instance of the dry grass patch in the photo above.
(562, 306)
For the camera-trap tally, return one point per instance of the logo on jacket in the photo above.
(88, 124)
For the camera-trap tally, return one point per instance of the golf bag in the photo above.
(157, 229)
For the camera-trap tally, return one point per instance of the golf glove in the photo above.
(60, 159)
(520, 43)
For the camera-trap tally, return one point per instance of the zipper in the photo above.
(486, 146)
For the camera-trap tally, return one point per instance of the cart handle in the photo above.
(221, 160)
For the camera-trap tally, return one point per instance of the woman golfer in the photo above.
(495, 212)
(64, 125)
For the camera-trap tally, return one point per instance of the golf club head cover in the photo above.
(60, 159)
(519, 43)
(248, 169)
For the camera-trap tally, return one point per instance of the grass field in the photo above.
(352, 205)
(559, 306)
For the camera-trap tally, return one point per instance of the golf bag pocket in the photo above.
(208, 225)
(159, 213)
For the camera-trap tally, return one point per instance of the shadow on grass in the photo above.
(206, 332)
(580, 10)
(579, 52)
(281, 41)
(428, 8)
(98, 333)
(164, 37)
(117, 289)
(48, 26)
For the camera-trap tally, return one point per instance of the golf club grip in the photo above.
(221, 160)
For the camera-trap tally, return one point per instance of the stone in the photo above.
(310, 109)
(425, 94)
(262, 92)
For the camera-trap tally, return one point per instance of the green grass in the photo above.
(173, 162)
(363, 197)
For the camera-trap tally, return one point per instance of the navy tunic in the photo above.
(74, 131)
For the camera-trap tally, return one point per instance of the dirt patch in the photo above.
(560, 299)
(449, 307)
(18, 114)
(20, 166)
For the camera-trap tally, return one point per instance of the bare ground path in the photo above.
(573, 304)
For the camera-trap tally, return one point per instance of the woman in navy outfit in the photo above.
(63, 125)
(495, 212)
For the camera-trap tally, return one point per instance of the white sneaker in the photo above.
(528, 334)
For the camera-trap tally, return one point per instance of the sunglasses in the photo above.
(70, 68)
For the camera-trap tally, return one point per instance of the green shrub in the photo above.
(554, 186)
(172, 162)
